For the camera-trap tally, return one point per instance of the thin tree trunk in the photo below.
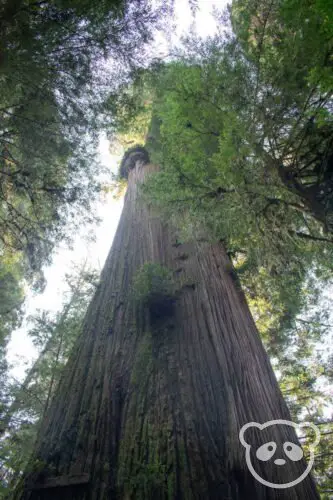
(151, 407)
(16, 404)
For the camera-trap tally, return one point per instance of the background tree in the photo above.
(54, 335)
(289, 47)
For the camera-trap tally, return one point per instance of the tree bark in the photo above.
(150, 407)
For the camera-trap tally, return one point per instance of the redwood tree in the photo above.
(159, 384)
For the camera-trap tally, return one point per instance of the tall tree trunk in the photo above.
(150, 406)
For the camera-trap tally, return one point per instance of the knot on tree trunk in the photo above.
(132, 155)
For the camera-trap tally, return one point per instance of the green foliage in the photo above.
(49, 119)
(61, 64)
(288, 47)
(154, 286)
(11, 294)
(22, 405)
(211, 185)
(241, 126)
(242, 130)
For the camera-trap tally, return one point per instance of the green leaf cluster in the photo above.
(154, 285)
